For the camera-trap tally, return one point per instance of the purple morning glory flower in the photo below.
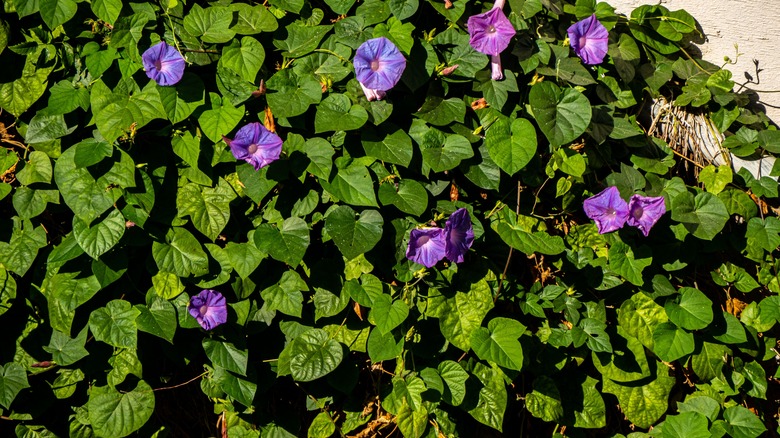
(378, 66)
(490, 34)
(589, 39)
(460, 235)
(645, 211)
(256, 145)
(163, 64)
(426, 246)
(208, 308)
(608, 209)
(429, 245)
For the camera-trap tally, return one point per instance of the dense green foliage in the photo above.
(119, 200)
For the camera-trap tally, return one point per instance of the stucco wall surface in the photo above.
(752, 24)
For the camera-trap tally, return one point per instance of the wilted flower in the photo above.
(378, 66)
(208, 308)
(448, 70)
(426, 246)
(163, 64)
(460, 235)
(490, 34)
(589, 39)
(479, 104)
(256, 145)
(608, 209)
(645, 211)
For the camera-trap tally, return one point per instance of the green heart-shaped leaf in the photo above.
(672, 342)
(703, 215)
(563, 115)
(337, 113)
(388, 314)
(499, 342)
(692, 311)
(287, 244)
(97, 239)
(354, 235)
(449, 154)
(408, 195)
(313, 354)
(115, 413)
(511, 145)
(13, 378)
(115, 324)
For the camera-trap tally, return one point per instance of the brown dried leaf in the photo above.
(735, 306)
(268, 122)
(479, 104)
(358, 310)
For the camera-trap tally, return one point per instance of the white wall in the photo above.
(752, 24)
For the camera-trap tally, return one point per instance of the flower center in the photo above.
(252, 148)
(638, 212)
(375, 65)
(583, 41)
(203, 309)
(158, 64)
(611, 211)
(423, 240)
(491, 29)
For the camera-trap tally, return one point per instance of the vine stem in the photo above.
(688, 159)
(691, 58)
(317, 402)
(181, 384)
(332, 53)
(198, 51)
(511, 250)
(173, 30)
(536, 197)
(341, 326)
(759, 91)
(665, 18)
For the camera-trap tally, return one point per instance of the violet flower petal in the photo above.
(490, 32)
(426, 246)
(378, 64)
(163, 64)
(645, 211)
(256, 145)
(608, 209)
(459, 233)
(589, 39)
(208, 308)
